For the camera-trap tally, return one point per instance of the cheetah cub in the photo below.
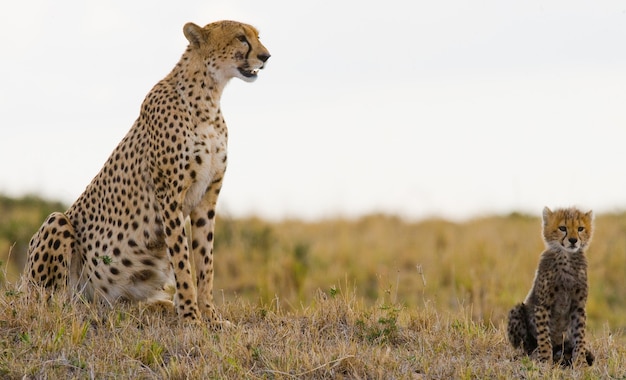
(550, 323)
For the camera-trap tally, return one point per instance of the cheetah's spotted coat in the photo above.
(124, 238)
(550, 323)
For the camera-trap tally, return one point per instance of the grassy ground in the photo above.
(376, 297)
(335, 336)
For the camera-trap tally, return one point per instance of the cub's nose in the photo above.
(264, 56)
(572, 240)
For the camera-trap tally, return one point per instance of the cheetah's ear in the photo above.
(546, 214)
(590, 215)
(194, 34)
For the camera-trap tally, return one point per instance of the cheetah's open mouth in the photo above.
(248, 73)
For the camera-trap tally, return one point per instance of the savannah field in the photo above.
(367, 298)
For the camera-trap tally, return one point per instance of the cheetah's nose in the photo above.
(264, 56)
(572, 240)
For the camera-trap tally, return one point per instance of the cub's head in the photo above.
(228, 48)
(569, 229)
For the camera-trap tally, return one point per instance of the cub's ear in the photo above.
(546, 214)
(194, 34)
(589, 215)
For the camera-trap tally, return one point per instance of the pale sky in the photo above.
(417, 108)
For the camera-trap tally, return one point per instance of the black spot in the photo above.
(147, 262)
(201, 222)
(142, 275)
(181, 264)
(211, 214)
(115, 271)
(127, 263)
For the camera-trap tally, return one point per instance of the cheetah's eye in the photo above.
(563, 228)
(243, 39)
(581, 229)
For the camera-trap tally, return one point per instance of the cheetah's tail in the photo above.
(519, 332)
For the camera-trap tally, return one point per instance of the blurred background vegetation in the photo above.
(484, 265)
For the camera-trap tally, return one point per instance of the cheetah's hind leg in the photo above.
(519, 333)
(50, 252)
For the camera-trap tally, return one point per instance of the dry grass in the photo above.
(485, 265)
(376, 297)
(335, 336)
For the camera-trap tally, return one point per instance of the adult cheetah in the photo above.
(124, 238)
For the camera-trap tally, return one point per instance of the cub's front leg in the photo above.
(544, 343)
(581, 355)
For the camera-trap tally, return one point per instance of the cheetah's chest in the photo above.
(566, 285)
(568, 278)
(207, 163)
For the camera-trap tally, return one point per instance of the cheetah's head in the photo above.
(569, 229)
(229, 49)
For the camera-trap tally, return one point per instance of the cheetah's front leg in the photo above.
(202, 235)
(176, 239)
(544, 343)
(580, 355)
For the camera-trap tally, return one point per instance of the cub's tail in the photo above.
(519, 332)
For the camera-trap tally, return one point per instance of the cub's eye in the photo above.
(563, 228)
(581, 229)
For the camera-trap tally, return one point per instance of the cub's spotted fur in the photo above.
(550, 323)
(125, 238)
